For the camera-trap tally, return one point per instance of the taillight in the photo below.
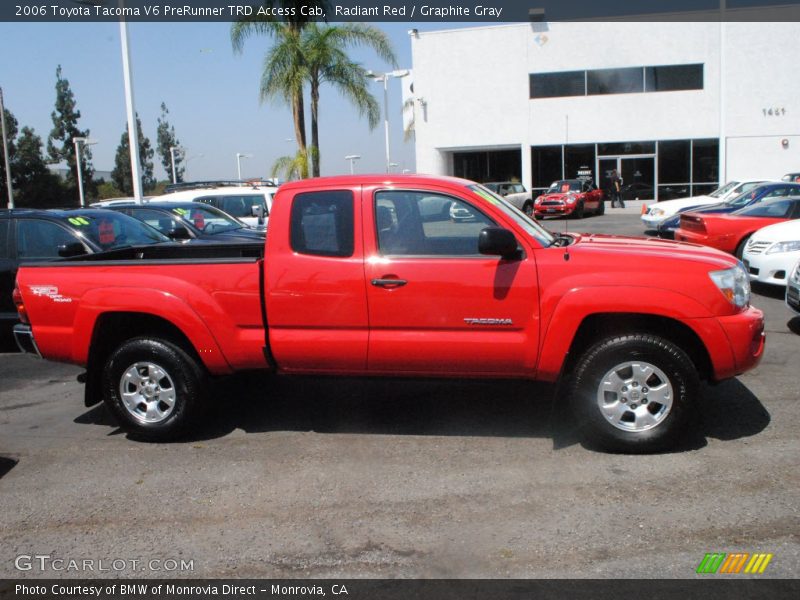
(16, 296)
(692, 223)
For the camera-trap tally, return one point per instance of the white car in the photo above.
(793, 289)
(242, 202)
(657, 212)
(772, 252)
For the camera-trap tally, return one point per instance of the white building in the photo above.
(675, 107)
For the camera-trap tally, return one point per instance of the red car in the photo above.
(570, 197)
(730, 232)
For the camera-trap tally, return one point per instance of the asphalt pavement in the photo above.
(324, 477)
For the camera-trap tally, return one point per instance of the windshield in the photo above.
(112, 230)
(561, 187)
(743, 199)
(207, 219)
(724, 189)
(531, 227)
(777, 208)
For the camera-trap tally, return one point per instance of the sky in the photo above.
(212, 94)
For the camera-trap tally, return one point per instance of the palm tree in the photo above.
(326, 61)
(284, 65)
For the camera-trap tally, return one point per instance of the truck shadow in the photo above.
(728, 411)
(257, 403)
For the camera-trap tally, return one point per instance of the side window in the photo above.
(4, 237)
(425, 224)
(322, 223)
(156, 218)
(41, 239)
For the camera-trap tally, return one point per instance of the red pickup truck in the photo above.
(368, 275)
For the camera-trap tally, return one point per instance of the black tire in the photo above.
(578, 212)
(185, 383)
(602, 359)
(527, 208)
(601, 209)
(741, 246)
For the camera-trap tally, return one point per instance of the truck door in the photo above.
(437, 306)
(314, 283)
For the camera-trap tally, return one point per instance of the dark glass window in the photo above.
(614, 81)
(673, 77)
(673, 161)
(578, 157)
(705, 160)
(322, 223)
(553, 85)
(545, 165)
(615, 148)
(4, 237)
(485, 166)
(41, 239)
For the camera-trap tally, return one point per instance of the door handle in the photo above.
(389, 283)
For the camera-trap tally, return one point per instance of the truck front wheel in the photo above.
(153, 387)
(632, 393)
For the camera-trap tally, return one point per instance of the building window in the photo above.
(545, 166)
(491, 165)
(554, 85)
(614, 148)
(626, 80)
(671, 78)
(614, 81)
(705, 162)
(577, 157)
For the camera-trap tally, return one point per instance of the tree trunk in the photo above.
(298, 112)
(315, 126)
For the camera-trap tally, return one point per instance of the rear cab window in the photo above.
(322, 223)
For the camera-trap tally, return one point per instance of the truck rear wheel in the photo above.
(633, 393)
(154, 388)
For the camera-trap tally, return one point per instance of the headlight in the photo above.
(571, 199)
(656, 212)
(792, 246)
(734, 284)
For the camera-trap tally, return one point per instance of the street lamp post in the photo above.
(352, 158)
(384, 77)
(239, 157)
(86, 142)
(172, 151)
(5, 152)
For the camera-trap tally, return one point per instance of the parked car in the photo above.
(772, 252)
(191, 220)
(352, 281)
(793, 177)
(761, 192)
(570, 197)
(730, 232)
(793, 289)
(637, 191)
(514, 192)
(654, 214)
(28, 235)
(250, 203)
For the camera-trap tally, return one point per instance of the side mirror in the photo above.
(179, 232)
(497, 241)
(71, 249)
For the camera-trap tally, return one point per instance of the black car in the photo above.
(190, 221)
(28, 235)
(765, 191)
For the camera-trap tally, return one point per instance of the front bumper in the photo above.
(770, 268)
(23, 336)
(554, 210)
(745, 332)
(652, 222)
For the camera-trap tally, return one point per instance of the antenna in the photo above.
(566, 245)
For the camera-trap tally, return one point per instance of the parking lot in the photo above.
(302, 477)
